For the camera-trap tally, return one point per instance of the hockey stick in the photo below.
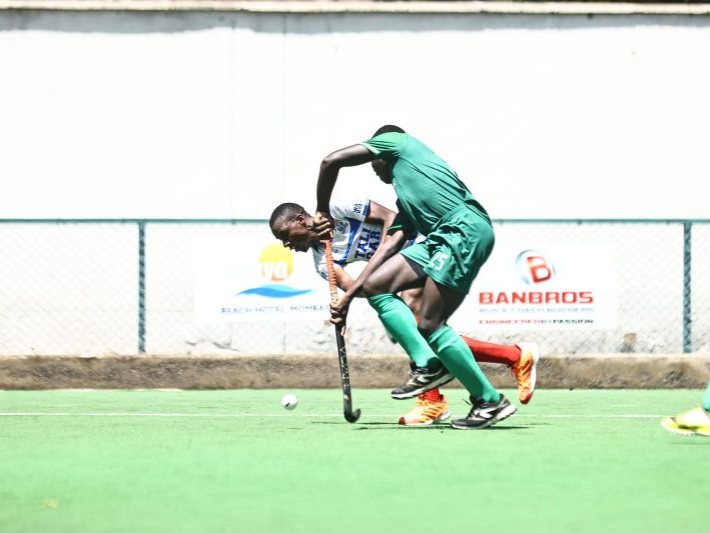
(350, 415)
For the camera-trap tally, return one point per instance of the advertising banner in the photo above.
(255, 278)
(543, 287)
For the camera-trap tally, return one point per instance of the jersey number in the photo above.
(437, 262)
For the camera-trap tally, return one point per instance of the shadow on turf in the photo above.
(696, 441)
(393, 425)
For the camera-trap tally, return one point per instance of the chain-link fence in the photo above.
(92, 287)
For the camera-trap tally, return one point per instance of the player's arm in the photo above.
(402, 228)
(327, 177)
(343, 279)
(379, 214)
(376, 214)
(392, 244)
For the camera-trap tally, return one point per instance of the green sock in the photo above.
(400, 322)
(706, 400)
(456, 356)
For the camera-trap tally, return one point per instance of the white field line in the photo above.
(286, 415)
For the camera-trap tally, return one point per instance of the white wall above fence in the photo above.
(225, 114)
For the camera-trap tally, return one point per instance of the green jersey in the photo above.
(427, 188)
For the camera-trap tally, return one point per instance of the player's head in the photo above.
(291, 224)
(380, 166)
(388, 128)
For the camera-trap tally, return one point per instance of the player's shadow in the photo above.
(359, 424)
(433, 427)
(363, 426)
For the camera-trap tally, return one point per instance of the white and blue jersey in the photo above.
(353, 238)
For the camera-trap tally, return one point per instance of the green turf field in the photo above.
(213, 461)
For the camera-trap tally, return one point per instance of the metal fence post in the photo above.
(141, 286)
(687, 316)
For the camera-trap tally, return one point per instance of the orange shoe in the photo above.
(431, 407)
(525, 370)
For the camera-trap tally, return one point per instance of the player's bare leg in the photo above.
(394, 276)
(521, 358)
(488, 405)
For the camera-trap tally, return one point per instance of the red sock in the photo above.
(432, 395)
(485, 352)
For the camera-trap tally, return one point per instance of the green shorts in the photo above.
(456, 248)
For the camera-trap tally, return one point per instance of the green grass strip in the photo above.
(235, 461)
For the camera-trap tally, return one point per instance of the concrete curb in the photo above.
(612, 371)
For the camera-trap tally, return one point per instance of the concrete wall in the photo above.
(219, 372)
(226, 113)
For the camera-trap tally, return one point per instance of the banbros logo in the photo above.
(276, 267)
(533, 267)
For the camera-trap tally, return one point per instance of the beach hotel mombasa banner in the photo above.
(543, 287)
(253, 277)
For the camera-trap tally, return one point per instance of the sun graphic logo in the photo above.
(276, 264)
(533, 267)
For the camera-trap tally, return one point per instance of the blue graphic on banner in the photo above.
(275, 291)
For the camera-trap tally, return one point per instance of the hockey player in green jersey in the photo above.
(431, 200)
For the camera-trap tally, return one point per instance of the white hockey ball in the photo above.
(289, 401)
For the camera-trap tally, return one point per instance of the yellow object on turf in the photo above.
(694, 422)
